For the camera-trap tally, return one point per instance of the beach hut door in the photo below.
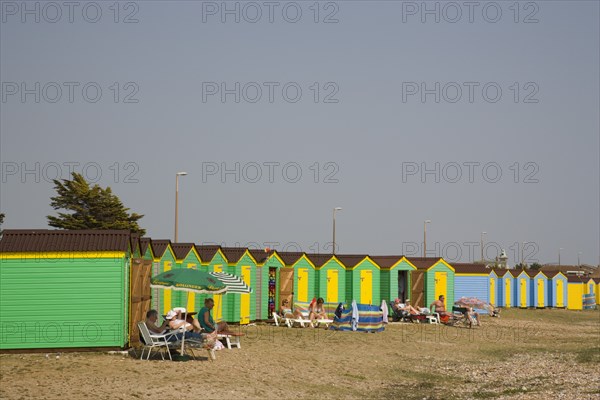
(560, 298)
(507, 293)
(523, 293)
(245, 298)
(332, 285)
(286, 284)
(366, 286)
(492, 291)
(540, 293)
(440, 279)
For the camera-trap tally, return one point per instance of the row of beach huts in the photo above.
(61, 288)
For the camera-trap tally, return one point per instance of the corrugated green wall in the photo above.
(62, 303)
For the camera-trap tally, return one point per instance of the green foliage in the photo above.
(2, 218)
(90, 207)
(536, 266)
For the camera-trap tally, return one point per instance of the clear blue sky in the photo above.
(372, 131)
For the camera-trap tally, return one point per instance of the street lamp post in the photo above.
(578, 260)
(482, 259)
(177, 175)
(427, 221)
(522, 251)
(559, 249)
(334, 210)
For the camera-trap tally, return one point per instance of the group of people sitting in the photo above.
(316, 310)
(407, 310)
(204, 328)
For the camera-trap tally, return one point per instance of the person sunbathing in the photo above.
(439, 307)
(176, 321)
(287, 312)
(410, 309)
(317, 310)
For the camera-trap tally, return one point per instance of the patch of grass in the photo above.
(358, 377)
(588, 356)
(514, 391)
(484, 395)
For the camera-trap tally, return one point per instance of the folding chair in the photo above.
(154, 341)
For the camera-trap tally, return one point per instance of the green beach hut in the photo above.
(213, 260)
(64, 289)
(241, 308)
(396, 277)
(362, 279)
(432, 278)
(186, 256)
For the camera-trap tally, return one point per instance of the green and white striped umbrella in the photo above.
(234, 284)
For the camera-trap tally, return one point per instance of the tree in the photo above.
(536, 266)
(2, 218)
(90, 207)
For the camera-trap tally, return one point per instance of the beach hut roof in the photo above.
(144, 243)
(423, 263)
(260, 255)
(533, 273)
(319, 260)
(290, 257)
(207, 252)
(46, 240)
(576, 279)
(471, 268)
(552, 274)
(181, 250)
(517, 272)
(386, 261)
(160, 246)
(233, 254)
(350, 260)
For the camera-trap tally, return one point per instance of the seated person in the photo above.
(151, 318)
(208, 324)
(179, 312)
(317, 310)
(286, 311)
(176, 321)
(439, 307)
(410, 309)
(398, 308)
(471, 314)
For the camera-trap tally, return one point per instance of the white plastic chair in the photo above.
(154, 341)
(432, 318)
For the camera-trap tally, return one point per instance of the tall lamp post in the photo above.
(334, 210)
(427, 221)
(177, 175)
(482, 259)
(559, 249)
(578, 259)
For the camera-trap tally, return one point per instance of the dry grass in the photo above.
(524, 354)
